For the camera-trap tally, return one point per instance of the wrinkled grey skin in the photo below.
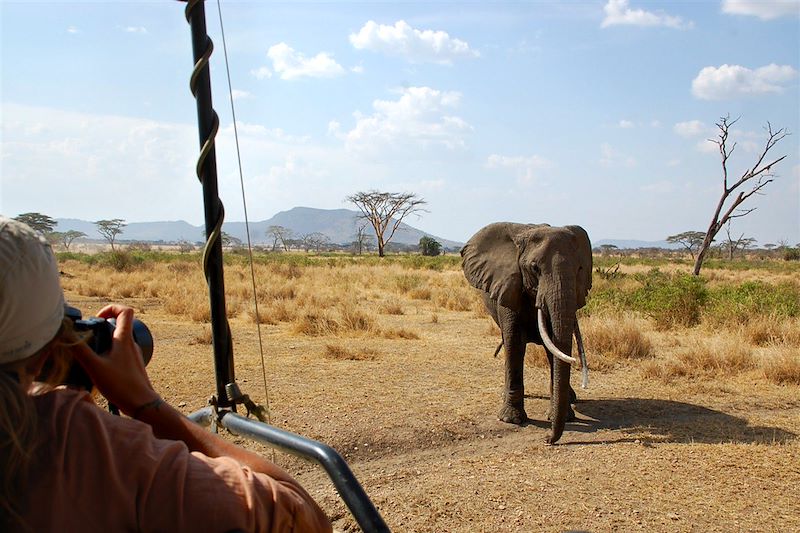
(522, 267)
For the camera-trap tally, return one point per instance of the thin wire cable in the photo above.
(246, 220)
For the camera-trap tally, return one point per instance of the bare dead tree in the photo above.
(732, 245)
(362, 240)
(385, 211)
(757, 177)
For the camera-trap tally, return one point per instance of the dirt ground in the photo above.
(416, 421)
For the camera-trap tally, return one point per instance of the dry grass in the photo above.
(204, 337)
(399, 333)
(764, 331)
(783, 369)
(611, 340)
(713, 357)
(333, 351)
(392, 308)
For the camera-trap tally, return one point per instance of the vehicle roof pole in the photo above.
(208, 124)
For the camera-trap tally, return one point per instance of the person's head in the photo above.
(33, 331)
(31, 299)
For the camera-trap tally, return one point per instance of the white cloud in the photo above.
(290, 64)
(432, 185)
(526, 169)
(618, 12)
(707, 146)
(241, 95)
(293, 167)
(418, 120)
(135, 29)
(335, 128)
(73, 30)
(261, 72)
(258, 131)
(658, 187)
(358, 69)
(763, 9)
(88, 160)
(795, 175)
(418, 46)
(690, 128)
(731, 81)
(626, 124)
(610, 157)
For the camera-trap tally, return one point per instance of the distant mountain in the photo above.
(339, 225)
(633, 244)
(171, 231)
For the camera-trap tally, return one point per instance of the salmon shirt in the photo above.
(94, 471)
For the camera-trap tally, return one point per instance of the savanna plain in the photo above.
(690, 422)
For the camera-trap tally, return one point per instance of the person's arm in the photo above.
(121, 377)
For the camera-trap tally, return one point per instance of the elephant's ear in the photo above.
(490, 263)
(584, 255)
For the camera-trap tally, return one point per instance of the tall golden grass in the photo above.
(354, 299)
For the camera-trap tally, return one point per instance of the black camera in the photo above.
(100, 342)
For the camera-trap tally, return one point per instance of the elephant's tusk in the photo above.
(549, 343)
(582, 352)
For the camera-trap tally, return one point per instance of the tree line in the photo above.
(383, 212)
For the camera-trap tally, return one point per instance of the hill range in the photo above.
(339, 225)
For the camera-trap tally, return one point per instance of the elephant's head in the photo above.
(553, 267)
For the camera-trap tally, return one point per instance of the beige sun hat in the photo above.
(31, 299)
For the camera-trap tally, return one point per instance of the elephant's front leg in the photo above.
(513, 410)
(573, 398)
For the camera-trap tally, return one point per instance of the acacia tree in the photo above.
(385, 211)
(279, 234)
(691, 240)
(230, 241)
(66, 237)
(315, 241)
(110, 229)
(756, 178)
(607, 249)
(38, 222)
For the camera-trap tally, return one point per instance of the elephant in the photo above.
(533, 279)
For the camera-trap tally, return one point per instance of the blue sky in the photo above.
(590, 113)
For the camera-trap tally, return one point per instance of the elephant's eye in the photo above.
(536, 269)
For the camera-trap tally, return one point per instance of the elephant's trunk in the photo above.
(562, 322)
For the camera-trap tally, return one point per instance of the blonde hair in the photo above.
(19, 420)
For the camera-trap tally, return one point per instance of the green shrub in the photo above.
(740, 303)
(671, 300)
(119, 260)
(608, 297)
(791, 254)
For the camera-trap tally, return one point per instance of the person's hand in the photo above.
(119, 374)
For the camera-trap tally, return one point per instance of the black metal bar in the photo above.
(214, 212)
(353, 495)
(336, 467)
